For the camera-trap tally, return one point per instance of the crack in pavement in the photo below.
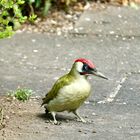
(118, 88)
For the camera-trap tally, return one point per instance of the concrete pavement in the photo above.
(111, 39)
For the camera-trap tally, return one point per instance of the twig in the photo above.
(1, 116)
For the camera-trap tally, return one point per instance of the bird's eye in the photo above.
(85, 67)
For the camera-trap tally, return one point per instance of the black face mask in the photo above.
(87, 70)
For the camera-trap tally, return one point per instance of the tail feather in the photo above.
(43, 99)
(46, 111)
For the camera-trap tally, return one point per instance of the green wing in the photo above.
(63, 81)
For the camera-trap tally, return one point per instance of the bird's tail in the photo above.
(44, 102)
(46, 111)
(43, 99)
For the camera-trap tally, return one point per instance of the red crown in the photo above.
(88, 62)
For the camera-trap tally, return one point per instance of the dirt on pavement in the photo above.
(15, 115)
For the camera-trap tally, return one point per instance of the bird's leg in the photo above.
(78, 116)
(54, 119)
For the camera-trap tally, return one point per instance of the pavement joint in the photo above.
(83, 34)
(133, 72)
(118, 88)
(115, 91)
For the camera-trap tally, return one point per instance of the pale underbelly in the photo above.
(67, 101)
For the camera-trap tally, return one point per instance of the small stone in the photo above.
(94, 131)
(86, 102)
(87, 6)
(120, 16)
(34, 68)
(123, 38)
(33, 40)
(85, 132)
(56, 78)
(24, 56)
(69, 16)
(87, 19)
(80, 130)
(81, 28)
(76, 30)
(111, 32)
(19, 127)
(56, 58)
(7, 117)
(67, 121)
(35, 51)
(127, 48)
(47, 121)
(59, 33)
(125, 22)
(132, 37)
(122, 63)
(54, 22)
(1, 59)
(58, 45)
(70, 54)
(94, 114)
(64, 69)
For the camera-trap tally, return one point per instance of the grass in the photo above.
(21, 94)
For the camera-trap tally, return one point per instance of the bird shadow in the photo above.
(60, 117)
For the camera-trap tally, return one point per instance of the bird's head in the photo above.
(85, 67)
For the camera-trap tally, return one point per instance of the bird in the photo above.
(71, 90)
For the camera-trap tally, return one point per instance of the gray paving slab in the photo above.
(123, 21)
(130, 91)
(36, 60)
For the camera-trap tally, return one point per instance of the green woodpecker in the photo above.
(71, 90)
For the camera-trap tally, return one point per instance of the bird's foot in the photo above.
(79, 117)
(81, 120)
(56, 122)
(54, 119)
(53, 122)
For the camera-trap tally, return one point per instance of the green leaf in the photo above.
(6, 33)
(32, 18)
(20, 2)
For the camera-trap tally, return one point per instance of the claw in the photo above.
(78, 116)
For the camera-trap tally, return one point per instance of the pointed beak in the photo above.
(99, 74)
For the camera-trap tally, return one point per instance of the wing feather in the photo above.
(63, 81)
